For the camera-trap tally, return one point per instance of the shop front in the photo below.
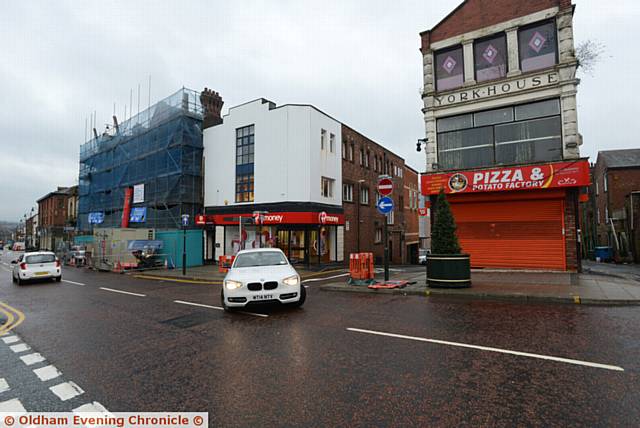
(305, 237)
(522, 217)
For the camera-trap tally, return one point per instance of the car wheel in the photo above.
(224, 304)
(58, 278)
(303, 296)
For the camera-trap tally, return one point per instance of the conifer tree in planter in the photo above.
(446, 266)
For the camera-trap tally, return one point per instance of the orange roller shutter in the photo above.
(513, 233)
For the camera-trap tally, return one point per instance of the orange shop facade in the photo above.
(521, 217)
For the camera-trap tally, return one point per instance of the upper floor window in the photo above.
(361, 157)
(524, 133)
(449, 68)
(364, 196)
(344, 150)
(604, 182)
(332, 143)
(366, 160)
(323, 139)
(490, 58)
(244, 163)
(347, 192)
(326, 187)
(351, 148)
(538, 46)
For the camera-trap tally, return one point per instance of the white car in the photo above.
(36, 265)
(261, 275)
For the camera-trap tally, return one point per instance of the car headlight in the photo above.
(292, 280)
(232, 285)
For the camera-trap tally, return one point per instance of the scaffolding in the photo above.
(161, 148)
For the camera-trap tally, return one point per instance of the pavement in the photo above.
(343, 359)
(599, 284)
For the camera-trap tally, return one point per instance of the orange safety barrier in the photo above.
(361, 266)
(224, 263)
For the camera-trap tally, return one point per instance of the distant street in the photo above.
(342, 360)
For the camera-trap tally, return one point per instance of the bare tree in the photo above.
(589, 53)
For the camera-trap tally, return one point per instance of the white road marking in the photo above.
(10, 339)
(94, 407)
(32, 359)
(66, 390)
(73, 282)
(4, 386)
(487, 348)
(47, 373)
(5, 269)
(325, 278)
(123, 292)
(20, 348)
(182, 302)
(12, 406)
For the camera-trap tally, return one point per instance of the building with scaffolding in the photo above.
(145, 172)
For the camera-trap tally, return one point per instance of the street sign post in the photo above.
(185, 223)
(385, 206)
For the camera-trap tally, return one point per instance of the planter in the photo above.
(448, 270)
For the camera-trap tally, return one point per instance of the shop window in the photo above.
(364, 196)
(323, 139)
(538, 46)
(244, 164)
(449, 67)
(490, 58)
(466, 149)
(326, 187)
(347, 192)
(378, 238)
(332, 143)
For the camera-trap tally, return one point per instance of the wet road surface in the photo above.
(344, 359)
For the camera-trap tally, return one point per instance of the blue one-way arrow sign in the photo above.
(385, 205)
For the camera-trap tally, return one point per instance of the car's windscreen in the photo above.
(40, 258)
(260, 258)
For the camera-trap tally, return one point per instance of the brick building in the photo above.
(616, 179)
(501, 125)
(52, 217)
(363, 161)
(411, 218)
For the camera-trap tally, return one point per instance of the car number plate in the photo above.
(42, 273)
(263, 297)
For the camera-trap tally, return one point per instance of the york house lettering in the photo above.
(492, 90)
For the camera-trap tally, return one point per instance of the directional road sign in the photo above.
(385, 205)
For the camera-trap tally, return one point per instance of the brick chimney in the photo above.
(212, 104)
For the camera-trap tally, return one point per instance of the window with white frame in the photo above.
(390, 218)
(351, 148)
(364, 195)
(604, 187)
(378, 236)
(344, 150)
(332, 143)
(347, 192)
(366, 160)
(323, 139)
(326, 187)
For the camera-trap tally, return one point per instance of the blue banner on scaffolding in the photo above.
(96, 218)
(138, 215)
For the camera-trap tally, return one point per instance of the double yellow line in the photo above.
(14, 318)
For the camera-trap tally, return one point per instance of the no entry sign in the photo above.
(385, 186)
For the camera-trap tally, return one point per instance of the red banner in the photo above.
(274, 218)
(529, 177)
(128, 192)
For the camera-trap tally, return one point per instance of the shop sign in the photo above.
(138, 215)
(324, 218)
(96, 218)
(530, 177)
(423, 212)
(487, 91)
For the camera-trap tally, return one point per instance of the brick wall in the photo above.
(367, 215)
(52, 211)
(475, 14)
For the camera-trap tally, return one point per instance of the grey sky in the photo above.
(356, 60)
